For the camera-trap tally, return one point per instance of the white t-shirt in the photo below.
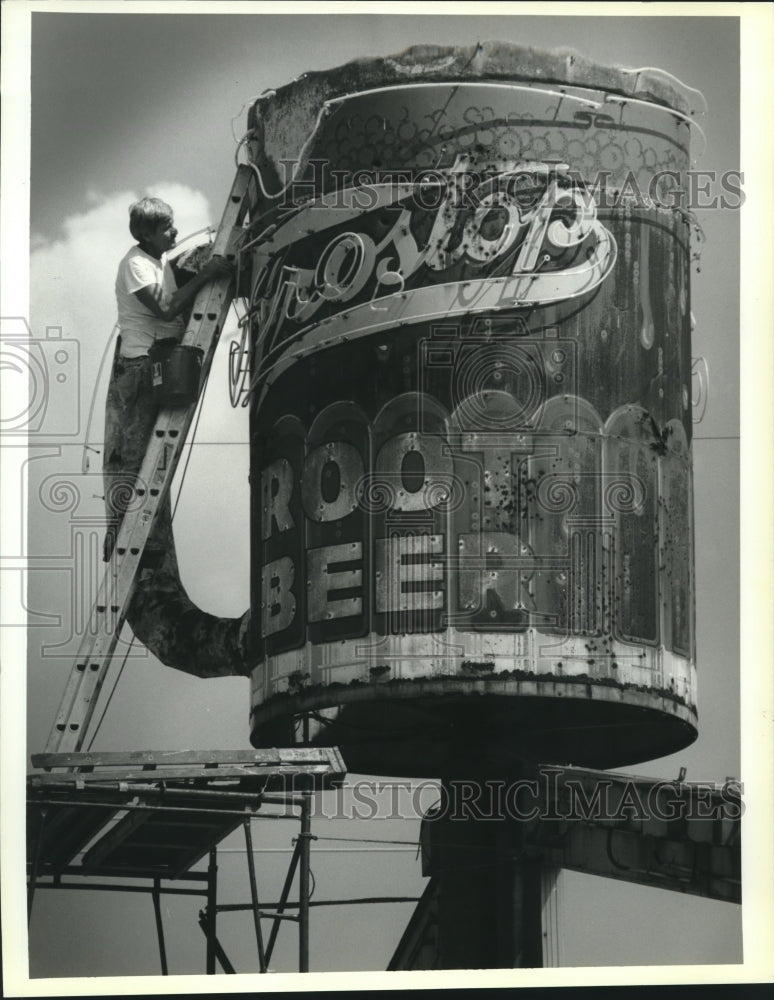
(139, 327)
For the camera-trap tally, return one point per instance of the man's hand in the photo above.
(217, 267)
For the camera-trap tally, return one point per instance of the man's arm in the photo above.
(167, 307)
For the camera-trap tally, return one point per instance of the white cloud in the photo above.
(71, 279)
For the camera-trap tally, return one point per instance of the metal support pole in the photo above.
(303, 885)
(212, 911)
(35, 866)
(283, 902)
(159, 925)
(254, 896)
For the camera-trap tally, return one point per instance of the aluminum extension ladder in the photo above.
(209, 312)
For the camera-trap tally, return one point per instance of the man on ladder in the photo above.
(142, 448)
(150, 312)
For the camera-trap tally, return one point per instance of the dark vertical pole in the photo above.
(254, 895)
(212, 913)
(303, 885)
(159, 925)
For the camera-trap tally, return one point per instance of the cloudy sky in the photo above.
(126, 104)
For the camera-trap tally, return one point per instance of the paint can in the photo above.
(175, 370)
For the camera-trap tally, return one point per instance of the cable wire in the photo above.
(369, 840)
(86, 446)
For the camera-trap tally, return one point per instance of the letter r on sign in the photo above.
(276, 491)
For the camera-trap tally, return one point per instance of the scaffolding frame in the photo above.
(150, 794)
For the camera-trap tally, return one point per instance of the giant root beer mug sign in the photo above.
(469, 384)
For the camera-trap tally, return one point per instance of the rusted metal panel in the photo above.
(676, 512)
(632, 458)
(563, 511)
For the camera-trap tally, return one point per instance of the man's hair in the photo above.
(146, 214)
